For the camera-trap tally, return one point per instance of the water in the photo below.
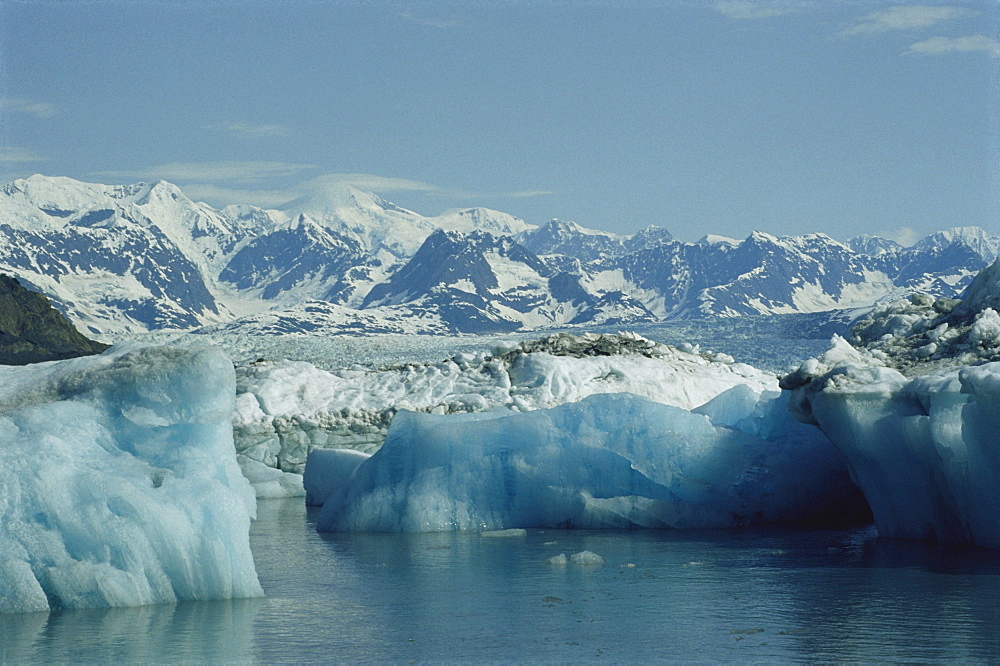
(776, 594)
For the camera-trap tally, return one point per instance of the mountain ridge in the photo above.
(120, 259)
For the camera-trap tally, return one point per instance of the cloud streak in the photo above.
(247, 129)
(27, 107)
(14, 155)
(371, 183)
(383, 184)
(231, 172)
(251, 182)
(904, 17)
(946, 45)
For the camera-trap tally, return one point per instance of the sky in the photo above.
(786, 116)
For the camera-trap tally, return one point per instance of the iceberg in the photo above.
(119, 484)
(924, 450)
(285, 409)
(922, 447)
(327, 470)
(607, 461)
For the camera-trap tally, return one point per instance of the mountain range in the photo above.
(131, 258)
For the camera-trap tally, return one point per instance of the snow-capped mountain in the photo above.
(385, 230)
(131, 258)
(140, 257)
(478, 282)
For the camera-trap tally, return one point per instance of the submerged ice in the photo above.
(608, 461)
(119, 484)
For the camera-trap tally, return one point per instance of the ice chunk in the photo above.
(611, 460)
(268, 482)
(119, 484)
(327, 472)
(287, 408)
(924, 450)
(586, 557)
(985, 331)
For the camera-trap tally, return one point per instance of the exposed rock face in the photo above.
(31, 330)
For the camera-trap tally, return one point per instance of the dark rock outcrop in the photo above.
(31, 330)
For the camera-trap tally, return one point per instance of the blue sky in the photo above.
(788, 116)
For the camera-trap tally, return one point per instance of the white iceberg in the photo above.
(608, 461)
(285, 409)
(119, 484)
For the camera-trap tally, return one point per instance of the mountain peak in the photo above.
(975, 238)
(336, 199)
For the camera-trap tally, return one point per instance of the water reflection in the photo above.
(191, 631)
(713, 595)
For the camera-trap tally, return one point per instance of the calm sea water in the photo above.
(714, 595)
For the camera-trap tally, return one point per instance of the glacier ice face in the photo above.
(119, 484)
(610, 460)
(923, 450)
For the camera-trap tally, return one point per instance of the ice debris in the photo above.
(119, 484)
(921, 334)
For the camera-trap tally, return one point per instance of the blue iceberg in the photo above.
(119, 484)
(608, 461)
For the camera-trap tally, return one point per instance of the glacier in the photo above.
(918, 429)
(608, 461)
(119, 484)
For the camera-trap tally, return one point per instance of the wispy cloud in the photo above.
(223, 183)
(905, 17)
(253, 130)
(945, 45)
(223, 196)
(27, 107)
(386, 184)
(757, 9)
(370, 183)
(905, 236)
(19, 156)
(526, 194)
(231, 172)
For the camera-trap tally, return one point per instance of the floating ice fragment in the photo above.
(612, 460)
(586, 557)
